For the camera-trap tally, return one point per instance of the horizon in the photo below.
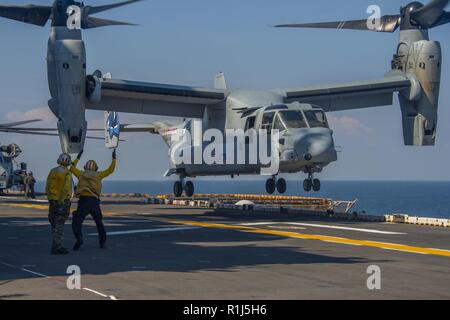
(212, 37)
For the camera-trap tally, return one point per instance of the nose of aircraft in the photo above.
(316, 146)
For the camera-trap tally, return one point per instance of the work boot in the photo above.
(59, 251)
(77, 245)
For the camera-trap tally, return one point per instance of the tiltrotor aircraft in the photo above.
(10, 172)
(306, 141)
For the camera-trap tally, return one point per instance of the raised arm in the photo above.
(111, 168)
(73, 167)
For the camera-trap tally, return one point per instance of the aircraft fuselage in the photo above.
(305, 140)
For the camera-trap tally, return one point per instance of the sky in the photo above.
(188, 42)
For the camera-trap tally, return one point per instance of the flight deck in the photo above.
(166, 251)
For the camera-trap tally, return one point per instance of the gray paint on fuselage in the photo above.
(297, 141)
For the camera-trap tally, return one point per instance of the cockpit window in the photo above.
(316, 119)
(290, 120)
(278, 124)
(267, 121)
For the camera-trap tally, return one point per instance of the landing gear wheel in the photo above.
(178, 189)
(270, 186)
(307, 185)
(281, 186)
(316, 185)
(189, 189)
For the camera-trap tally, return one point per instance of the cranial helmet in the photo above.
(64, 160)
(91, 166)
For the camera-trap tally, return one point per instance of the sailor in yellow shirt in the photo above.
(88, 191)
(59, 193)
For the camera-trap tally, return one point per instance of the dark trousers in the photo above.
(30, 192)
(57, 216)
(86, 206)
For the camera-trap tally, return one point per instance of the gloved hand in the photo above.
(80, 155)
(114, 154)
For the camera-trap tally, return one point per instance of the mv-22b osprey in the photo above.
(306, 140)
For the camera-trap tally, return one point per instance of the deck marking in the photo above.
(287, 227)
(346, 241)
(325, 226)
(119, 233)
(41, 275)
(40, 207)
(29, 206)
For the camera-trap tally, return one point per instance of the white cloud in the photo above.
(44, 114)
(349, 125)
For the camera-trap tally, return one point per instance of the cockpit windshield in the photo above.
(290, 120)
(316, 118)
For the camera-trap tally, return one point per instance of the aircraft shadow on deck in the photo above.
(186, 251)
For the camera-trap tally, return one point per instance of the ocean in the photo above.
(427, 199)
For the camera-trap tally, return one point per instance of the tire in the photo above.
(281, 186)
(316, 185)
(307, 185)
(189, 189)
(270, 186)
(177, 189)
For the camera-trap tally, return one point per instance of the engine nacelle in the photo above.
(421, 61)
(66, 63)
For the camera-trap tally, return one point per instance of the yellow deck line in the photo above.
(338, 240)
(45, 207)
(287, 234)
(29, 206)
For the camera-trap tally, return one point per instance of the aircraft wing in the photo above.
(352, 95)
(153, 98)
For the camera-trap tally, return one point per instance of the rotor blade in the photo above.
(13, 124)
(32, 14)
(388, 23)
(43, 129)
(34, 133)
(91, 22)
(430, 14)
(29, 132)
(445, 18)
(93, 10)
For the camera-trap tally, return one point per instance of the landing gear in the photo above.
(178, 189)
(316, 185)
(281, 186)
(273, 185)
(270, 186)
(180, 186)
(311, 183)
(189, 189)
(307, 185)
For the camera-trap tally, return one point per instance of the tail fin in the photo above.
(219, 82)
(112, 130)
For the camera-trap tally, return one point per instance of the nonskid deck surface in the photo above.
(166, 252)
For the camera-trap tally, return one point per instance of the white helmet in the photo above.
(91, 166)
(64, 160)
